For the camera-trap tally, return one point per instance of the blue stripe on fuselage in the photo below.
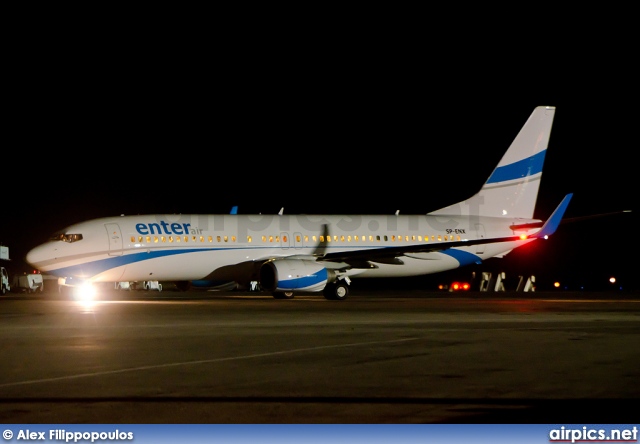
(517, 170)
(99, 266)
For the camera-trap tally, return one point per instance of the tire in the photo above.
(4, 289)
(283, 294)
(338, 291)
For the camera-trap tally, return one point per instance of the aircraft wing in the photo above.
(361, 258)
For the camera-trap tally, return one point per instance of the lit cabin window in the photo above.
(393, 237)
(233, 238)
(439, 237)
(186, 238)
(270, 238)
(249, 239)
(218, 238)
(201, 238)
(321, 238)
(315, 238)
(426, 238)
(170, 238)
(277, 238)
(226, 238)
(133, 239)
(342, 238)
(298, 238)
(148, 239)
(306, 238)
(419, 238)
(164, 239)
(284, 239)
(264, 238)
(155, 239)
(328, 238)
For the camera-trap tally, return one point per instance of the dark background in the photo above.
(336, 129)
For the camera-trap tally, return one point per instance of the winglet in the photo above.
(234, 210)
(551, 225)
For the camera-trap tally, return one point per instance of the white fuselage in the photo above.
(191, 247)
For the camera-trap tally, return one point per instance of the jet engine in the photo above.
(294, 274)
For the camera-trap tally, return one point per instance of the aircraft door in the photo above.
(115, 239)
(480, 233)
(284, 240)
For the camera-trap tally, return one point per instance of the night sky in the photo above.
(317, 137)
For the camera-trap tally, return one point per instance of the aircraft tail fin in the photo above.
(512, 187)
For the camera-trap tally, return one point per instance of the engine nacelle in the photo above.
(294, 274)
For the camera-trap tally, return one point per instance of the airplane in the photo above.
(287, 253)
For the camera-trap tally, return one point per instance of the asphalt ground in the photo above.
(378, 357)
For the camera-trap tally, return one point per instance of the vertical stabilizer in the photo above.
(512, 189)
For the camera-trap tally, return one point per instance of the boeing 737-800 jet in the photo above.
(316, 253)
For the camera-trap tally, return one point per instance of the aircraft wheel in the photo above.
(283, 294)
(336, 292)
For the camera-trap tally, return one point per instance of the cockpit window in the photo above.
(67, 237)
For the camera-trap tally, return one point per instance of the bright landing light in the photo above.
(85, 293)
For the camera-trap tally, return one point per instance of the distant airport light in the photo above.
(460, 286)
(612, 280)
(556, 284)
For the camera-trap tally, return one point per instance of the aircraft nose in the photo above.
(36, 256)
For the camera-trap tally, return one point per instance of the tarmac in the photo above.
(378, 357)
